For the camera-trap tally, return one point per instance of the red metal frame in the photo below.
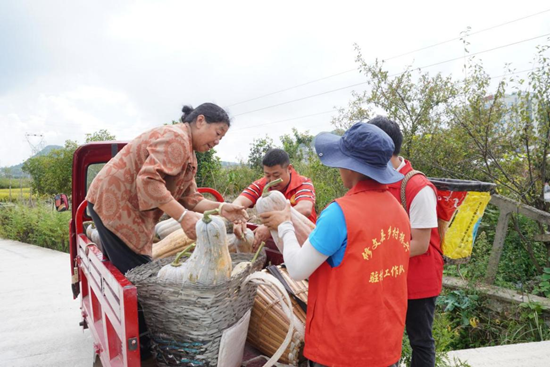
(108, 299)
(109, 303)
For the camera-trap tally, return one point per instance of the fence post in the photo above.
(498, 245)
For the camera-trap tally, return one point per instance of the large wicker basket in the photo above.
(186, 322)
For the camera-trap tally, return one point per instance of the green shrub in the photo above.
(516, 269)
(40, 225)
(471, 323)
(231, 181)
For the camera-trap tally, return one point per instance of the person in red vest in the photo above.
(356, 258)
(426, 263)
(297, 189)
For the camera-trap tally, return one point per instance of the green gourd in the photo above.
(210, 262)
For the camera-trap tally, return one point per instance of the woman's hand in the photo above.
(274, 218)
(189, 223)
(261, 234)
(239, 228)
(234, 213)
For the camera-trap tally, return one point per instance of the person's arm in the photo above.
(233, 213)
(323, 242)
(150, 184)
(423, 216)
(305, 198)
(189, 220)
(243, 201)
(304, 207)
(300, 261)
(420, 241)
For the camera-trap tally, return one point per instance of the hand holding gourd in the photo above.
(189, 222)
(261, 234)
(239, 228)
(234, 213)
(273, 218)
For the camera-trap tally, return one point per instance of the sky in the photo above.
(68, 68)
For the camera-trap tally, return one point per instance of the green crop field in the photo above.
(15, 193)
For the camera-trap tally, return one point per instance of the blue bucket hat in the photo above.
(364, 148)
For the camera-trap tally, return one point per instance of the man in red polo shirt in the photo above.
(297, 189)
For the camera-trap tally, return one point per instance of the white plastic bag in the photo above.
(232, 343)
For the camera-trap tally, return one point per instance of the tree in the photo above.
(462, 128)
(52, 173)
(208, 165)
(258, 149)
(298, 145)
(100, 135)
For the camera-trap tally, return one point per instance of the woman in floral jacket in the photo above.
(155, 174)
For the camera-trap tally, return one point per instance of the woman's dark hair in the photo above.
(212, 113)
(392, 129)
(275, 157)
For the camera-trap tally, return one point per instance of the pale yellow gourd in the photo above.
(171, 244)
(275, 200)
(210, 262)
(164, 228)
(174, 272)
(243, 265)
(238, 245)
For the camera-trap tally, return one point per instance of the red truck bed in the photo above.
(108, 299)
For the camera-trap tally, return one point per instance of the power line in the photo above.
(296, 86)
(419, 68)
(391, 58)
(324, 112)
(468, 35)
(279, 121)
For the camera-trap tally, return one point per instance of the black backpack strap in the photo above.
(273, 270)
(408, 176)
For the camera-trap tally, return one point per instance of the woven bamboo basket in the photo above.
(186, 322)
(269, 324)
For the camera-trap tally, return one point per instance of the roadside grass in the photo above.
(40, 225)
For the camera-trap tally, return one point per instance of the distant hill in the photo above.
(229, 164)
(16, 171)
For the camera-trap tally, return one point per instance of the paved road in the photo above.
(517, 355)
(38, 316)
(39, 319)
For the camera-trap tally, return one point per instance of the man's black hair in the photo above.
(276, 156)
(392, 129)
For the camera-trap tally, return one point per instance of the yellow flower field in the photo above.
(15, 193)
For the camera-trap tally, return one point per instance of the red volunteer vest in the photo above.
(356, 311)
(425, 271)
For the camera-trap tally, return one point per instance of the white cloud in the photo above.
(127, 66)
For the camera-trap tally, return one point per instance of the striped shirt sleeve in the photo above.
(253, 192)
(306, 191)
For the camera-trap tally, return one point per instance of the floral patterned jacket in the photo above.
(149, 171)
